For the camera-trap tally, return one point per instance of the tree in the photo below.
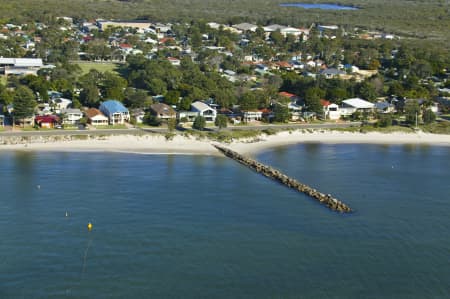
(24, 102)
(171, 124)
(428, 117)
(281, 113)
(248, 101)
(385, 120)
(157, 86)
(221, 121)
(113, 86)
(137, 98)
(6, 96)
(312, 100)
(89, 95)
(277, 38)
(367, 91)
(185, 104)
(199, 123)
(412, 110)
(151, 120)
(172, 97)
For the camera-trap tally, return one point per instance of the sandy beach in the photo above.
(157, 144)
(339, 137)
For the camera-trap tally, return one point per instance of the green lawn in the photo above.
(99, 66)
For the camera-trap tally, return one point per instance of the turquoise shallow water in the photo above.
(206, 227)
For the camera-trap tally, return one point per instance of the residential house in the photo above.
(204, 110)
(174, 61)
(245, 27)
(162, 111)
(330, 73)
(295, 111)
(331, 111)
(292, 97)
(186, 116)
(272, 28)
(138, 114)
(96, 118)
(20, 66)
(46, 121)
(61, 104)
(230, 75)
(71, 116)
(384, 107)
(44, 109)
(115, 111)
(252, 115)
(103, 24)
(350, 106)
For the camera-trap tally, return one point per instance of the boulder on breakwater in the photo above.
(325, 199)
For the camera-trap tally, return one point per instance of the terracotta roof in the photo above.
(91, 112)
(125, 46)
(265, 110)
(284, 64)
(165, 39)
(286, 94)
(325, 103)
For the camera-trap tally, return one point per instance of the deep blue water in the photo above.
(319, 6)
(207, 227)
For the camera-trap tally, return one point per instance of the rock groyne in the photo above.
(325, 199)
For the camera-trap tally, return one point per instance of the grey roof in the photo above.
(274, 27)
(162, 109)
(22, 62)
(358, 103)
(332, 71)
(382, 105)
(200, 106)
(71, 111)
(245, 26)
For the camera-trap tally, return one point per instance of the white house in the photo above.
(61, 103)
(71, 116)
(350, 106)
(249, 116)
(174, 61)
(96, 117)
(204, 110)
(188, 116)
(332, 112)
(20, 66)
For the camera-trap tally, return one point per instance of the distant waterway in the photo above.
(208, 227)
(319, 6)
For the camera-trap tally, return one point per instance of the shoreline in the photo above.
(156, 144)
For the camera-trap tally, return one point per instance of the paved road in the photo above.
(164, 130)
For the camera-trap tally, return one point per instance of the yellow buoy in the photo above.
(89, 226)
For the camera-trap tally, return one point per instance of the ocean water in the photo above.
(207, 227)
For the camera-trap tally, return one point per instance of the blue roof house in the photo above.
(115, 111)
